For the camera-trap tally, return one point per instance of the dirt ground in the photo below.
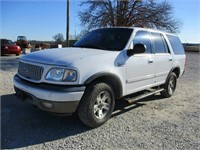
(153, 123)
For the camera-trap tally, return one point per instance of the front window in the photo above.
(112, 39)
(6, 42)
(21, 38)
(142, 37)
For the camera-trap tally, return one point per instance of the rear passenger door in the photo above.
(163, 58)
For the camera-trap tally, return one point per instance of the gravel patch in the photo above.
(153, 123)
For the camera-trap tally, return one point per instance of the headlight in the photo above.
(60, 74)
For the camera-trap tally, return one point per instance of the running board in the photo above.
(131, 100)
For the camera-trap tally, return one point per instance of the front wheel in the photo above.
(96, 105)
(170, 85)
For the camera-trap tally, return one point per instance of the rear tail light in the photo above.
(6, 47)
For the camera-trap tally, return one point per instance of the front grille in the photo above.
(29, 71)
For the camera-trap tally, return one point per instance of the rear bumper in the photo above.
(51, 98)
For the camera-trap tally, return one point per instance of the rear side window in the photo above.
(176, 45)
(159, 43)
(142, 37)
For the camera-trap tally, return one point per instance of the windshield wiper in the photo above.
(90, 46)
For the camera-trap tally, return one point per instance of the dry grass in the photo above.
(192, 48)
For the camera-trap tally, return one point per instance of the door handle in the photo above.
(170, 59)
(150, 61)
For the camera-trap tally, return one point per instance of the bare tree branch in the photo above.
(144, 13)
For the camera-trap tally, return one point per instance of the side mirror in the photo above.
(138, 49)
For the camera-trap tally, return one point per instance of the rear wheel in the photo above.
(170, 85)
(96, 105)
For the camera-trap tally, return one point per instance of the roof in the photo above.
(145, 29)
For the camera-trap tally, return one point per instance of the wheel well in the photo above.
(113, 81)
(176, 71)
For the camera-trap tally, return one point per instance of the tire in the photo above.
(17, 54)
(96, 105)
(170, 85)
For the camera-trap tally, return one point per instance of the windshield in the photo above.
(23, 38)
(113, 39)
(6, 42)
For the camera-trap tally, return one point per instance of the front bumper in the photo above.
(17, 51)
(51, 98)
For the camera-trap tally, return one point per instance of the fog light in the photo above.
(47, 105)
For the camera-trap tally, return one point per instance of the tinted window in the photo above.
(159, 43)
(176, 45)
(6, 41)
(23, 38)
(114, 39)
(142, 37)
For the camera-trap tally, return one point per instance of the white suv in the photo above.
(104, 66)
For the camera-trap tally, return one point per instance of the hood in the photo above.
(11, 46)
(62, 56)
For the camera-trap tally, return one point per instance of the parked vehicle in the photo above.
(104, 66)
(43, 46)
(9, 47)
(22, 42)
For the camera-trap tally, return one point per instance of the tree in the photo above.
(142, 13)
(58, 38)
(82, 34)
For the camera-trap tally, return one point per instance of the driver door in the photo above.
(140, 67)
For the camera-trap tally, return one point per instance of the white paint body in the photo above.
(136, 73)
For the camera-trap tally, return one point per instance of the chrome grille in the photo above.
(29, 71)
